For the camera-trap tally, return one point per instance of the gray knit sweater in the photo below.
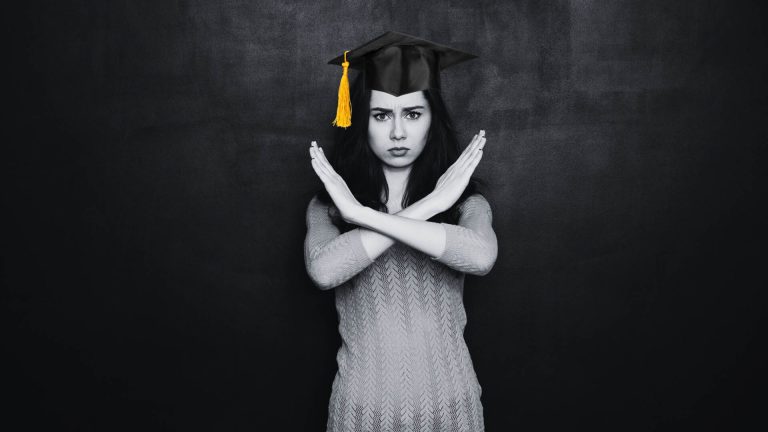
(403, 364)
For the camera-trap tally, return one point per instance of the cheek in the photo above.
(423, 130)
(376, 128)
(377, 135)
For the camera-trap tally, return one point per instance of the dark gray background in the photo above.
(157, 175)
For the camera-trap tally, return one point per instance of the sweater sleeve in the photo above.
(331, 258)
(471, 246)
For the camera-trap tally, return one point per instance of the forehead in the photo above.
(385, 100)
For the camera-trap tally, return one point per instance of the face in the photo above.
(398, 127)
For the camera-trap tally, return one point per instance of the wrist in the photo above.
(430, 206)
(360, 215)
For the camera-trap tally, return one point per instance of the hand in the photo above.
(452, 183)
(342, 197)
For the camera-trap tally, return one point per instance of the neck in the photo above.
(397, 179)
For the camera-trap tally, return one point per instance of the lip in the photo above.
(399, 148)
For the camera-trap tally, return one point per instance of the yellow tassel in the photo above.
(344, 107)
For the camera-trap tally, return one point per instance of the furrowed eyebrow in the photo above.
(389, 110)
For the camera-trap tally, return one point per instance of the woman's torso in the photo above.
(403, 360)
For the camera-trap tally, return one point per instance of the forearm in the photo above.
(408, 226)
(376, 242)
(332, 262)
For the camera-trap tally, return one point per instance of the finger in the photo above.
(321, 164)
(324, 159)
(319, 173)
(479, 141)
(470, 150)
(473, 152)
(319, 154)
(331, 171)
(466, 151)
(317, 163)
(469, 168)
(482, 136)
(480, 145)
(477, 158)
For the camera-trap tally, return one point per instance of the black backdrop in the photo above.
(156, 178)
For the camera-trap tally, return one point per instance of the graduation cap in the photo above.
(395, 63)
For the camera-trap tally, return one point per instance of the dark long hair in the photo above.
(354, 160)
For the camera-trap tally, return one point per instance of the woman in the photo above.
(396, 227)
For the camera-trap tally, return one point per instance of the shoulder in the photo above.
(316, 206)
(316, 202)
(474, 201)
(476, 205)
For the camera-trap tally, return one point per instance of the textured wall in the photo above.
(157, 177)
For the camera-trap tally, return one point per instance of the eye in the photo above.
(416, 113)
(380, 116)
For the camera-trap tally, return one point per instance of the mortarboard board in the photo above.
(395, 63)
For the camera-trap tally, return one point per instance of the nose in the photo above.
(398, 131)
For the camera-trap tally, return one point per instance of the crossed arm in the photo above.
(381, 230)
(332, 258)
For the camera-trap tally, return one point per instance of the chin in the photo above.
(400, 164)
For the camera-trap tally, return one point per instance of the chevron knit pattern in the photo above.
(403, 364)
